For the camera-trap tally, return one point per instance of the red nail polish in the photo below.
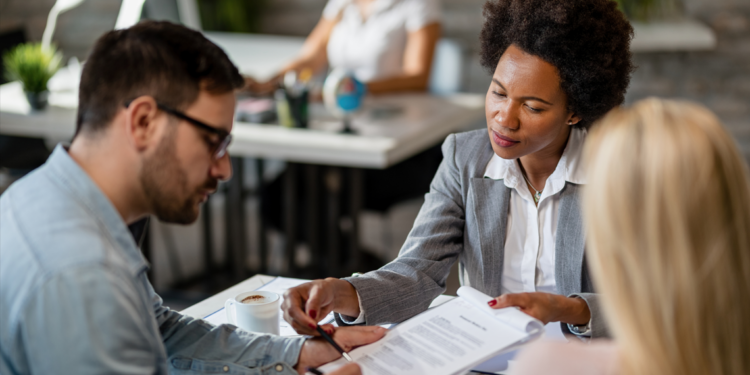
(492, 303)
(312, 326)
(313, 314)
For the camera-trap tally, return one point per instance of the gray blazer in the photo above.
(464, 218)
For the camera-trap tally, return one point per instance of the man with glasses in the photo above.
(155, 114)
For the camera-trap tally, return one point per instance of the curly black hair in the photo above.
(587, 40)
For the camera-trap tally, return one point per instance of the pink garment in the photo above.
(574, 358)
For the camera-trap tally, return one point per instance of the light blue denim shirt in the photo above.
(75, 298)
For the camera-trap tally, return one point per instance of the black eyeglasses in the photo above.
(219, 149)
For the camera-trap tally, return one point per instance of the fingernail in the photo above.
(492, 303)
(313, 314)
(312, 326)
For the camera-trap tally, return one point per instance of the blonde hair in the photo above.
(667, 208)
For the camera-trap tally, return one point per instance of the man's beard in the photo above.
(165, 185)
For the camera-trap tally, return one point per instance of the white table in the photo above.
(216, 302)
(425, 120)
(55, 124)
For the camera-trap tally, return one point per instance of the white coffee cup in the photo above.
(256, 316)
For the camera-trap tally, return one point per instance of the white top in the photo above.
(374, 48)
(529, 264)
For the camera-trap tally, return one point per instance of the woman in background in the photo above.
(667, 208)
(388, 44)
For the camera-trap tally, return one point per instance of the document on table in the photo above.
(277, 285)
(449, 339)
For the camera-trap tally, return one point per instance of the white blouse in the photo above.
(374, 48)
(529, 263)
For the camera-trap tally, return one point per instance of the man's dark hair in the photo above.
(588, 41)
(169, 62)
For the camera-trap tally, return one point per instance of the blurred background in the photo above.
(709, 63)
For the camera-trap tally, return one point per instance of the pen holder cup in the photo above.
(298, 103)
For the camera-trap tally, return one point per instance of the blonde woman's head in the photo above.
(667, 209)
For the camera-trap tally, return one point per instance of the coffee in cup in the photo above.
(254, 299)
(256, 311)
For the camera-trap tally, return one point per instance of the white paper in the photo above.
(511, 315)
(441, 299)
(446, 340)
(277, 285)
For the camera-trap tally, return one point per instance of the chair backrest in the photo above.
(447, 67)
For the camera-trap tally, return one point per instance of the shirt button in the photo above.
(279, 368)
(226, 368)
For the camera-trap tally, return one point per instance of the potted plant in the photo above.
(33, 66)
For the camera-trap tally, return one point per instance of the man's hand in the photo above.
(316, 351)
(347, 369)
(305, 305)
(546, 307)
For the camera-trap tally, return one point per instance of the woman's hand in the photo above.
(316, 351)
(546, 307)
(260, 88)
(305, 305)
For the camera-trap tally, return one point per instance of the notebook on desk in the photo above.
(449, 339)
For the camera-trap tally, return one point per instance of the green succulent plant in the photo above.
(32, 65)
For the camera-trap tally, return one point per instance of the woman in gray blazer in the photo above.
(504, 202)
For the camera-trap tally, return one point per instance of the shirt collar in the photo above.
(76, 182)
(569, 168)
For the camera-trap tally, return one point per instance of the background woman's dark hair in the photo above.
(169, 62)
(587, 40)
